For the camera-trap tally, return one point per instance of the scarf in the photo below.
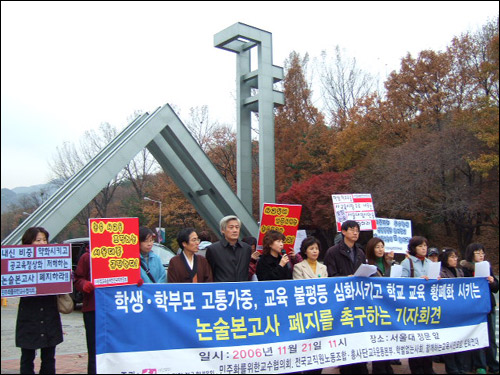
(380, 264)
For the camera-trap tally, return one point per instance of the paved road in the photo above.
(73, 332)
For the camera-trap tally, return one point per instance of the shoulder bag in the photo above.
(65, 303)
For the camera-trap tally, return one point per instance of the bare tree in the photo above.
(200, 126)
(69, 159)
(343, 84)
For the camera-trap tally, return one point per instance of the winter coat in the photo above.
(156, 269)
(420, 268)
(229, 263)
(82, 277)
(38, 323)
(446, 272)
(338, 262)
(303, 270)
(268, 268)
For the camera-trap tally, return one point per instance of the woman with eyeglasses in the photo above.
(152, 270)
(188, 267)
(454, 363)
(486, 357)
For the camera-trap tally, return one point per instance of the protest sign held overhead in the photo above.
(114, 251)
(357, 207)
(281, 217)
(36, 270)
(395, 233)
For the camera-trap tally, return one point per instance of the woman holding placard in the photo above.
(38, 324)
(485, 357)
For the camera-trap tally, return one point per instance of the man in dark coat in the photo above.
(229, 257)
(343, 259)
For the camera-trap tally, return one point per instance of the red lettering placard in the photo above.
(283, 218)
(114, 251)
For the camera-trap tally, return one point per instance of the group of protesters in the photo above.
(233, 260)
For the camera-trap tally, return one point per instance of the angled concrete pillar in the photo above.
(176, 151)
(240, 39)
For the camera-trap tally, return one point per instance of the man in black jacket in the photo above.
(229, 257)
(343, 259)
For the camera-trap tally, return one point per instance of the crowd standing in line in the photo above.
(39, 325)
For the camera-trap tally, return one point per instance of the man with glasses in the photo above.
(343, 259)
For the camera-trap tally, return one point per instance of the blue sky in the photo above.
(69, 66)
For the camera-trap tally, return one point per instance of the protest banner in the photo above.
(358, 207)
(395, 233)
(36, 270)
(114, 251)
(281, 217)
(287, 325)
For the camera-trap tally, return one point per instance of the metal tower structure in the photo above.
(240, 39)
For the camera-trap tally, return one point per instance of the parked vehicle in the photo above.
(164, 253)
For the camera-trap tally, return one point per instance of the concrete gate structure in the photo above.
(180, 156)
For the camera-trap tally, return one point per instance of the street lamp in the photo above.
(159, 218)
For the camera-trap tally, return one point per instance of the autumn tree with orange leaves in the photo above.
(301, 136)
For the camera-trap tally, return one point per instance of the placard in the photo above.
(114, 251)
(36, 270)
(357, 207)
(281, 217)
(395, 233)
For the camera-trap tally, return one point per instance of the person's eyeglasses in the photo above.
(479, 252)
(195, 240)
(353, 230)
(453, 257)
